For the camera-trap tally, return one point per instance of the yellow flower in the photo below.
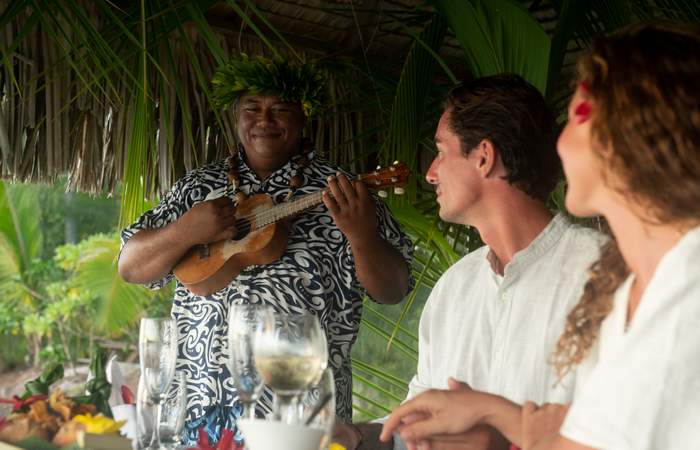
(336, 446)
(99, 424)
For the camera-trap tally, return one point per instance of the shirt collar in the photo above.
(246, 171)
(547, 238)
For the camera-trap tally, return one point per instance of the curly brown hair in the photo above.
(642, 82)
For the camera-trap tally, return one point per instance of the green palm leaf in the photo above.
(119, 304)
(411, 96)
(499, 36)
(20, 249)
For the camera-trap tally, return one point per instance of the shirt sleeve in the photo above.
(173, 205)
(422, 380)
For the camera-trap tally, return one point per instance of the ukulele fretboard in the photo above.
(259, 219)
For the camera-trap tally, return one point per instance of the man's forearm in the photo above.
(370, 437)
(151, 254)
(381, 269)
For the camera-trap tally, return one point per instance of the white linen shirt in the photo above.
(496, 333)
(640, 389)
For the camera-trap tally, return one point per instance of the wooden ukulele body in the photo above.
(204, 274)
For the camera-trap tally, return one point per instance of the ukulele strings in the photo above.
(277, 212)
(281, 210)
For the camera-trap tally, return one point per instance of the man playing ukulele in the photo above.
(335, 252)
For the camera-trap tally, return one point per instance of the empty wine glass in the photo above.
(145, 416)
(319, 406)
(243, 321)
(158, 354)
(172, 417)
(290, 354)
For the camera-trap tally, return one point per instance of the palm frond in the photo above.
(401, 142)
(499, 36)
(119, 303)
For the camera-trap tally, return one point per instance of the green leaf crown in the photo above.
(259, 75)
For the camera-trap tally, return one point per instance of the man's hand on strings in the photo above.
(210, 221)
(351, 207)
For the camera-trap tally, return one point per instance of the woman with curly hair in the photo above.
(631, 154)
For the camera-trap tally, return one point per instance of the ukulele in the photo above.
(261, 234)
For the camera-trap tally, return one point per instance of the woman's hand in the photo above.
(540, 425)
(435, 412)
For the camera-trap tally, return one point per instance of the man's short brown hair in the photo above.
(513, 115)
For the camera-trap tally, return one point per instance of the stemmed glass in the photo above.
(173, 412)
(290, 353)
(243, 322)
(319, 406)
(145, 416)
(158, 354)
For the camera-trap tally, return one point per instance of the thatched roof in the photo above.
(75, 101)
(66, 110)
(372, 30)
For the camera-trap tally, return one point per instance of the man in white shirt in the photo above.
(493, 318)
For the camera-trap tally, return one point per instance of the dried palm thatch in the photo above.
(101, 93)
(109, 91)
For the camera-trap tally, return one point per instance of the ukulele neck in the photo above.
(391, 176)
(288, 209)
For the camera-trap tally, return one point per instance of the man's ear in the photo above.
(486, 157)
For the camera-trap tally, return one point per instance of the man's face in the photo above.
(454, 175)
(269, 129)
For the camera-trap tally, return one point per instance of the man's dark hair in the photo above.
(512, 114)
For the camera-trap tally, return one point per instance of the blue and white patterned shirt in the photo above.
(316, 274)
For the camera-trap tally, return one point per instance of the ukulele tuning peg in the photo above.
(394, 179)
(395, 163)
(378, 168)
(399, 191)
(382, 194)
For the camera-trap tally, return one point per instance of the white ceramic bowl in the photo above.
(272, 435)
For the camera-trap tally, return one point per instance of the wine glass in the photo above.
(158, 354)
(319, 406)
(145, 415)
(290, 354)
(172, 420)
(243, 321)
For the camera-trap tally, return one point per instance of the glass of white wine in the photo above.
(290, 353)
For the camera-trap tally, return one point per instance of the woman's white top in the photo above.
(640, 386)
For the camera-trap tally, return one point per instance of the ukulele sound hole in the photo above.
(242, 229)
(203, 251)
